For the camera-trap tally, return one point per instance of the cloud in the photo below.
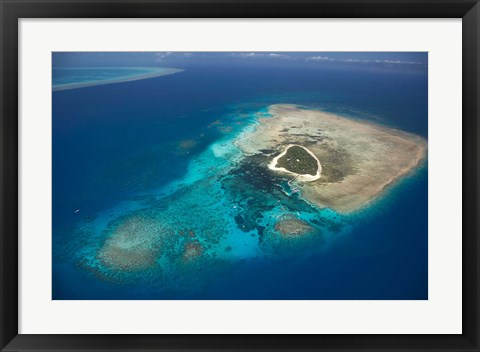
(159, 57)
(261, 55)
(391, 62)
(399, 62)
(163, 55)
(320, 58)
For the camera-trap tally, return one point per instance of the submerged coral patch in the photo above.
(192, 251)
(293, 227)
(134, 243)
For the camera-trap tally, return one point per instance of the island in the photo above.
(336, 162)
(299, 161)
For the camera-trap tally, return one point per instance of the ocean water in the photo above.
(150, 151)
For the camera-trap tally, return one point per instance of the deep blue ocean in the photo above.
(117, 143)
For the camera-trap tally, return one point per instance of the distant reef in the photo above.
(357, 159)
(83, 78)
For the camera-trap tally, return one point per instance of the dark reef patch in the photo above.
(255, 190)
(267, 151)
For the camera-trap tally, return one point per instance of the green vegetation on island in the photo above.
(299, 161)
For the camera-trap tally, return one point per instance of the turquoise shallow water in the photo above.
(158, 157)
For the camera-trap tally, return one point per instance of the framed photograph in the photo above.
(230, 175)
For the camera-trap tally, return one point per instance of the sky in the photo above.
(412, 60)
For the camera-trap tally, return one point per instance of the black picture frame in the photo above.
(13, 10)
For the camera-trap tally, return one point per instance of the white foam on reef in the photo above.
(242, 140)
(224, 150)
